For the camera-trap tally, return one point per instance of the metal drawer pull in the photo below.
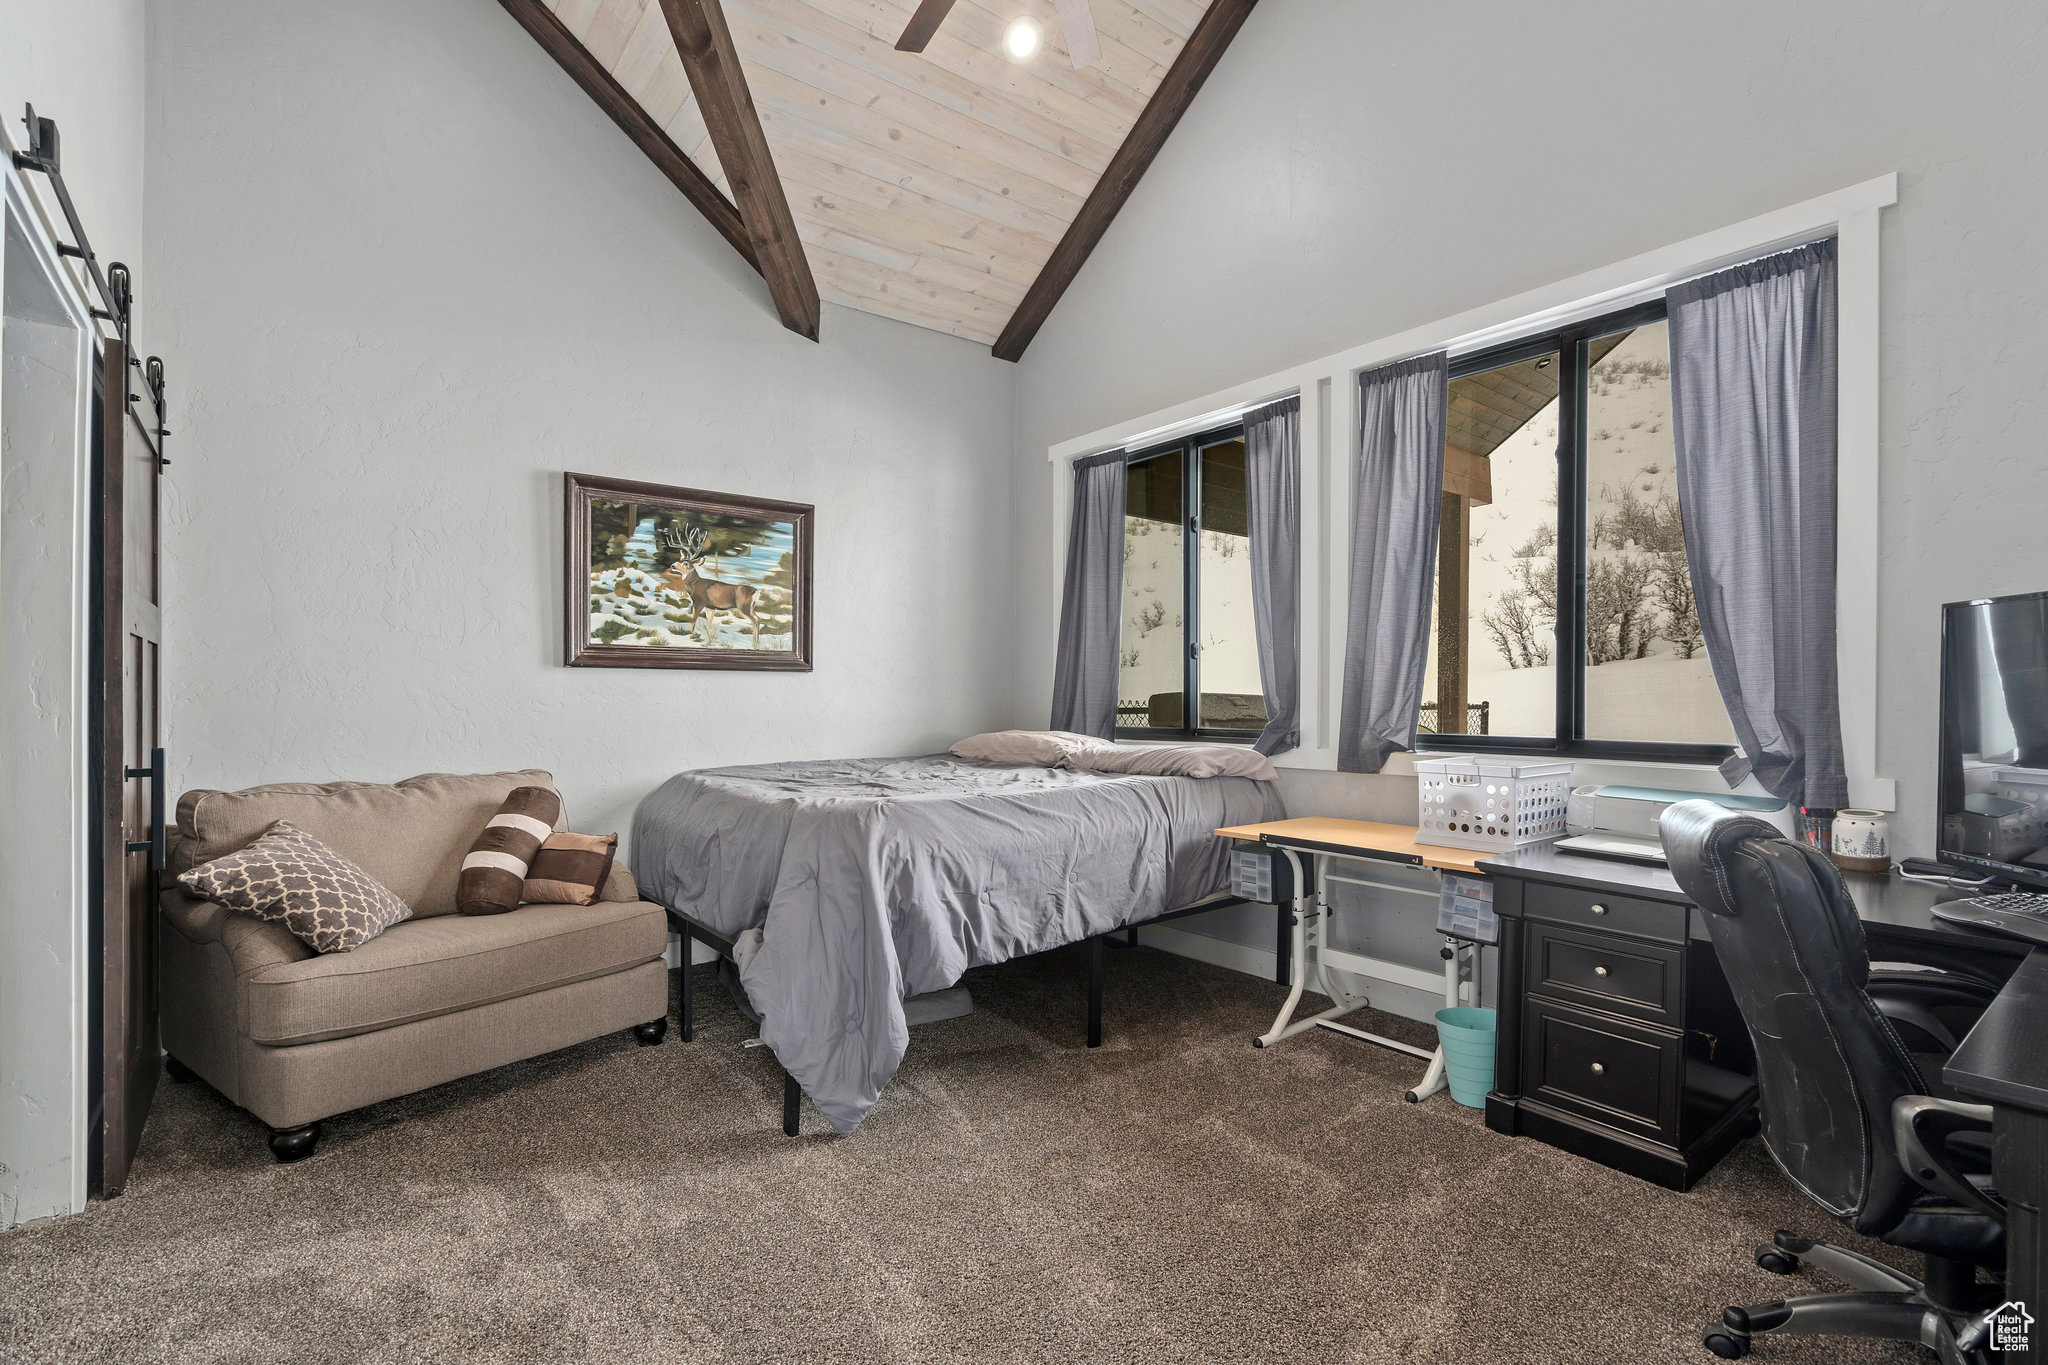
(1599, 1070)
(1599, 909)
(1599, 971)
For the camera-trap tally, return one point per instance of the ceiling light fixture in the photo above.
(1022, 39)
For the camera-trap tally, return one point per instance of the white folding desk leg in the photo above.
(1433, 1079)
(1284, 1024)
(1299, 965)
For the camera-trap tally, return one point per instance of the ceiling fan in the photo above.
(1077, 25)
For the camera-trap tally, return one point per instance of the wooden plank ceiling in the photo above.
(928, 187)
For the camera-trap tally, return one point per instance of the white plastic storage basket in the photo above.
(2031, 786)
(1490, 804)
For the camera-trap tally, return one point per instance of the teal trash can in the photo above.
(1467, 1035)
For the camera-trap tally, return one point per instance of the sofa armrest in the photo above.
(197, 920)
(619, 884)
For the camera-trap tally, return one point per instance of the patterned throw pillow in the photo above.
(570, 869)
(289, 876)
(494, 872)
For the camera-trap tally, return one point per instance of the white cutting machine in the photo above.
(1621, 822)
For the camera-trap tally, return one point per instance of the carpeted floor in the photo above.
(1176, 1196)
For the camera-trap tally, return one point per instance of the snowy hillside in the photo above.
(1648, 676)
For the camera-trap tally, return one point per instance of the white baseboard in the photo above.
(703, 952)
(1409, 1003)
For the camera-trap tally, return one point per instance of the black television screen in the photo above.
(1994, 736)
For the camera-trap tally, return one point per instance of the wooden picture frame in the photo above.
(662, 577)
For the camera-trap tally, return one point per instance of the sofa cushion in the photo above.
(411, 835)
(423, 968)
(292, 878)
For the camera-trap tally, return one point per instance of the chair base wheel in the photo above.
(294, 1144)
(1724, 1343)
(1776, 1261)
(651, 1032)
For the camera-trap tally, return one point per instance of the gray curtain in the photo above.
(1753, 423)
(1272, 472)
(1396, 502)
(1084, 675)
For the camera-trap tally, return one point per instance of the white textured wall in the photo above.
(415, 275)
(80, 62)
(1353, 170)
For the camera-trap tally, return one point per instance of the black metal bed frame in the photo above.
(695, 932)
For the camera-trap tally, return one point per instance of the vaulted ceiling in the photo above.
(934, 187)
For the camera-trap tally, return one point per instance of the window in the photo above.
(1187, 624)
(1564, 617)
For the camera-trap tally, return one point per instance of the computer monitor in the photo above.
(1994, 737)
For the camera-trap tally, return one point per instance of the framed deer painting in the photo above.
(661, 577)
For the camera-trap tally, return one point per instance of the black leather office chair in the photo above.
(1848, 1113)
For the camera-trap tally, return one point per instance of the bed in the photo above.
(841, 888)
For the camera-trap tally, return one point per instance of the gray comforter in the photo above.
(851, 885)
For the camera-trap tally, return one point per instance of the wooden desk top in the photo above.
(1363, 836)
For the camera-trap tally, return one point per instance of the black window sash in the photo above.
(1573, 346)
(1190, 450)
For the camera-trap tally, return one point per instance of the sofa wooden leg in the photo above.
(294, 1144)
(651, 1032)
(792, 1105)
(178, 1071)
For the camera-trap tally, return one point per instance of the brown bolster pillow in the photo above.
(570, 869)
(494, 872)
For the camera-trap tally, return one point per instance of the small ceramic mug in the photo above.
(1862, 840)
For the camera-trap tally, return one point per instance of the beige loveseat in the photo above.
(294, 1036)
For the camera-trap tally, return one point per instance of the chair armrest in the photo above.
(1911, 998)
(1921, 1127)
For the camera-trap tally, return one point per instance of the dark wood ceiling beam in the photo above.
(1198, 57)
(923, 24)
(713, 66)
(540, 21)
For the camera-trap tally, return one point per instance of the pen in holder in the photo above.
(1816, 827)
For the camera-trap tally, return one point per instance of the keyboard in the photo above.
(2016, 914)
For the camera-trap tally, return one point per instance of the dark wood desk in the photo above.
(1618, 1036)
(2003, 1062)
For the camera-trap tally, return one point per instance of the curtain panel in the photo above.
(1397, 500)
(1753, 352)
(1084, 680)
(1272, 467)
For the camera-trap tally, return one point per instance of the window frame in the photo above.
(1189, 448)
(1572, 346)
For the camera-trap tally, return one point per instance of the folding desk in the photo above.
(1316, 842)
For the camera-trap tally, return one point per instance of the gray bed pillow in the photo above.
(1046, 748)
(1176, 760)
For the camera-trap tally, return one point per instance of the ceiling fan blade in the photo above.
(1077, 24)
(923, 24)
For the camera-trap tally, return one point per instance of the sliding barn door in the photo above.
(129, 620)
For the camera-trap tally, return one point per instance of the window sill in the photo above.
(1706, 756)
(1145, 738)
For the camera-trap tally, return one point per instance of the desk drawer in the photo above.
(1620, 1074)
(1607, 913)
(1608, 972)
